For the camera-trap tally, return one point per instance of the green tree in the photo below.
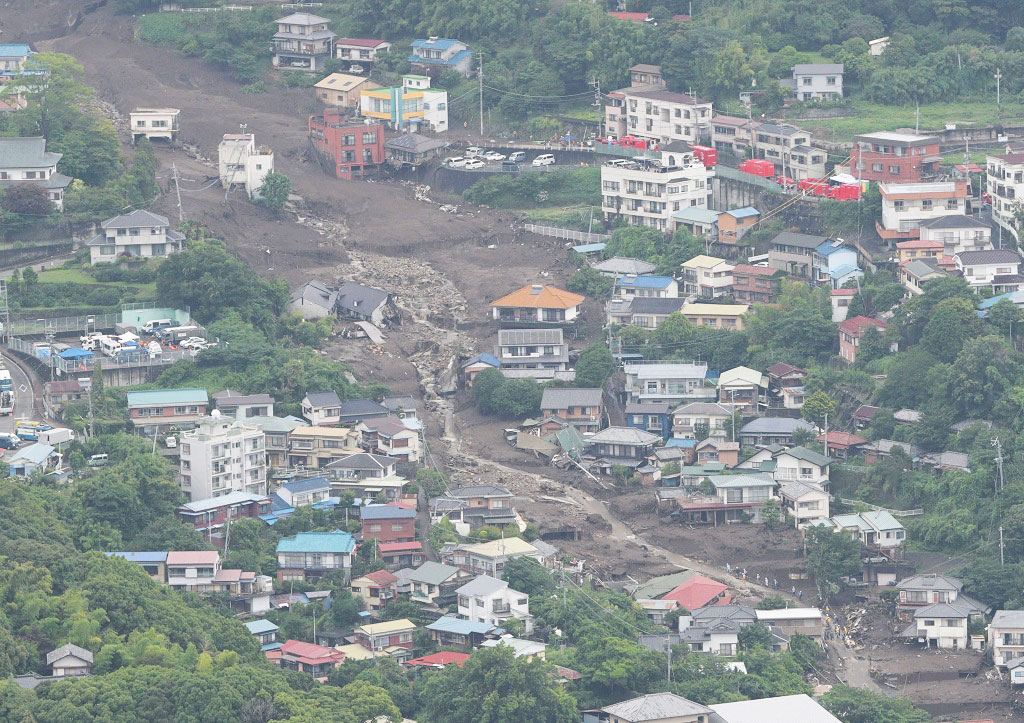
(594, 366)
(591, 282)
(527, 575)
(516, 398)
(859, 705)
(274, 191)
(617, 668)
(873, 346)
(27, 199)
(817, 407)
(951, 324)
(755, 635)
(485, 384)
(982, 375)
(1005, 317)
(830, 558)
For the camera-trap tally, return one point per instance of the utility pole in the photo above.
(597, 92)
(999, 106)
(177, 190)
(480, 77)
(1002, 546)
(826, 434)
(999, 463)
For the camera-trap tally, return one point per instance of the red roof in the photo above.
(362, 42)
(696, 592)
(842, 439)
(756, 270)
(193, 557)
(567, 673)
(782, 368)
(631, 17)
(844, 292)
(381, 577)
(310, 653)
(919, 244)
(864, 411)
(399, 546)
(273, 655)
(858, 324)
(442, 659)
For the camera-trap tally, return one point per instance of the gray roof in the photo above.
(709, 408)
(136, 219)
(481, 491)
(1008, 619)
(799, 708)
(565, 397)
(363, 460)
(432, 573)
(358, 407)
(324, 399)
(947, 459)
(415, 143)
(399, 402)
(783, 129)
(733, 611)
(954, 609)
(886, 446)
(801, 240)
(276, 424)
(623, 265)
(954, 221)
(624, 435)
(807, 455)
(794, 490)
(993, 256)
(655, 305)
(655, 707)
(930, 582)
(315, 292)
(775, 425)
(229, 397)
(923, 267)
(56, 180)
(648, 408)
(26, 152)
(69, 649)
(516, 337)
(364, 299)
(482, 585)
(817, 68)
(302, 19)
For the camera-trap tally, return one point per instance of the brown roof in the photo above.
(542, 297)
(842, 439)
(1012, 158)
(666, 95)
(71, 385)
(757, 270)
(858, 324)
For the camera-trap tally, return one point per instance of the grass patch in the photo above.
(577, 218)
(66, 276)
(538, 189)
(868, 117)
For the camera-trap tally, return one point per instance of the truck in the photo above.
(56, 436)
(761, 169)
(706, 155)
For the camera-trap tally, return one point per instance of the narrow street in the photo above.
(27, 395)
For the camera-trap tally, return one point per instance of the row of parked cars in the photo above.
(476, 158)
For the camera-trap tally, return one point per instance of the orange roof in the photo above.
(844, 292)
(443, 658)
(543, 297)
(696, 592)
(858, 324)
(381, 577)
(842, 439)
(919, 244)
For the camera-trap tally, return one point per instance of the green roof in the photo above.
(808, 455)
(167, 396)
(337, 541)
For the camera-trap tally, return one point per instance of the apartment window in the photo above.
(397, 527)
(370, 137)
(374, 528)
(899, 205)
(805, 81)
(926, 204)
(877, 167)
(952, 204)
(894, 170)
(368, 155)
(830, 80)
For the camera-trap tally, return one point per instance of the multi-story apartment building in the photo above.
(894, 157)
(533, 352)
(317, 447)
(220, 456)
(1005, 186)
(156, 410)
(659, 115)
(390, 437)
(734, 134)
(905, 206)
(409, 106)
(242, 163)
(957, 234)
(139, 234)
(154, 123)
(789, 148)
(350, 148)
(646, 193)
(26, 160)
(310, 555)
(303, 41)
(756, 284)
(707, 277)
(795, 253)
(1006, 636)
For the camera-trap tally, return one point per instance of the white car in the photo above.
(473, 163)
(456, 162)
(194, 342)
(494, 156)
(473, 152)
(170, 442)
(545, 159)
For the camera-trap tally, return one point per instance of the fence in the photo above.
(877, 508)
(567, 234)
(85, 365)
(174, 9)
(63, 325)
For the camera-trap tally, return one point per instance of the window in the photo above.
(397, 527)
(894, 170)
(899, 205)
(877, 167)
(926, 204)
(830, 80)
(952, 204)
(805, 81)
(374, 528)
(370, 137)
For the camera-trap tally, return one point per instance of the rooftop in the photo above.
(482, 585)
(794, 708)
(193, 557)
(386, 512)
(656, 707)
(458, 626)
(703, 261)
(992, 256)
(908, 138)
(336, 542)
(817, 68)
(388, 626)
(167, 396)
(510, 546)
(232, 498)
(26, 152)
(800, 240)
(624, 435)
(565, 397)
(622, 265)
(645, 282)
(714, 309)
(433, 573)
(775, 425)
(540, 296)
(859, 323)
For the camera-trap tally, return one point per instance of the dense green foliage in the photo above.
(529, 189)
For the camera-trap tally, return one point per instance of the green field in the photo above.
(868, 117)
(79, 276)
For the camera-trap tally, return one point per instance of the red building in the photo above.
(209, 516)
(850, 333)
(756, 284)
(388, 523)
(401, 554)
(900, 157)
(352, 147)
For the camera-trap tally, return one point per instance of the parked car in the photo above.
(545, 159)
(456, 162)
(98, 460)
(473, 151)
(494, 156)
(517, 156)
(194, 342)
(9, 441)
(474, 163)
(170, 442)
(357, 69)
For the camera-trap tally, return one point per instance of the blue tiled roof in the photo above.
(844, 270)
(36, 454)
(436, 44)
(682, 443)
(258, 627)
(485, 358)
(454, 60)
(386, 512)
(745, 212)
(827, 248)
(167, 396)
(270, 646)
(15, 50)
(307, 485)
(645, 282)
(141, 557)
(448, 624)
(337, 541)
(589, 248)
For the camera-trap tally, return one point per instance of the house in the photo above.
(58, 394)
(388, 523)
(717, 449)
(794, 621)
(582, 408)
(536, 353)
(734, 134)
(341, 90)
(701, 222)
(799, 464)
(241, 162)
(412, 106)
(309, 555)
(653, 417)
(648, 110)
(647, 192)
(818, 81)
(13, 58)
(433, 55)
(852, 331)
(838, 264)
(452, 631)
(744, 490)
(914, 274)
(26, 160)
(389, 437)
(365, 303)
(1006, 637)
(905, 206)
(894, 157)
(957, 233)
(657, 610)
(1004, 181)
(756, 284)
(734, 224)
(154, 123)
(743, 389)
(944, 461)
(927, 589)
(222, 455)
(476, 364)
(619, 266)
(139, 234)
(794, 253)
(697, 592)
(362, 51)
(656, 708)
(265, 632)
(412, 149)
(434, 583)
(486, 599)
(303, 41)
(489, 558)
(919, 249)
(192, 570)
(624, 446)
(314, 448)
(655, 287)
(790, 151)
(538, 303)
(438, 661)
(840, 300)
(786, 386)
(354, 411)
(687, 418)
(804, 502)
(36, 457)
(998, 268)
(316, 660)
(301, 493)
(346, 148)
(707, 277)
(527, 649)
(393, 637)
(152, 411)
(397, 555)
(321, 408)
(875, 452)
(799, 708)
(841, 444)
(642, 311)
(153, 564)
(863, 415)
(313, 300)
(376, 589)
(362, 466)
(875, 530)
(243, 406)
(772, 430)
(69, 661)
(210, 516)
(486, 505)
(941, 625)
(716, 316)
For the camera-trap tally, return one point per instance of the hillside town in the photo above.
(375, 360)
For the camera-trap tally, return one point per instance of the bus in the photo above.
(5, 380)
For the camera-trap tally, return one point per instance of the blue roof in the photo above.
(258, 627)
(167, 396)
(485, 358)
(386, 512)
(645, 282)
(307, 485)
(329, 503)
(448, 624)
(683, 443)
(140, 557)
(745, 212)
(75, 354)
(589, 248)
(36, 454)
(270, 646)
(270, 518)
(436, 44)
(454, 60)
(695, 214)
(337, 541)
(1017, 297)
(279, 506)
(828, 248)
(15, 49)
(844, 270)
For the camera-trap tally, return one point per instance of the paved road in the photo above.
(26, 392)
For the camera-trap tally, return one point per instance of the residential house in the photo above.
(749, 491)
(743, 389)
(434, 583)
(533, 353)
(192, 570)
(657, 287)
(362, 466)
(346, 148)
(626, 446)
(69, 661)
(944, 461)
(485, 505)
(313, 300)
(914, 274)
(527, 649)
(153, 564)
(151, 412)
(154, 123)
(434, 55)
(276, 434)
(648, 110)
(789, 149)
(852, 331)
(863, 415)
(241, 162)
(647, 192)
(26, 160)
(361, 51)
(486, 599)
(302, 493)
(354, 411)
(841, 444)
(716, 316)
(321, 408)
(36, 457)
(58, 394)
(316, 660)
(701, 222)
(734, 134)
(365, 303)
(735, 498)
(656, 708)
(412, 106)
(942, 625)
(998, 268)
(713, 416)
(642, 311)
(538, 303)
(302, 41)
(919, 591)
(875, 530)
(476, 364)
(139, 234)
(582, 408)
(799, 464)
(619, 266)
(398, 555)
(210, 516)
(763, 431)
(13, 57)
(894, 157)
(707, 277)
(786, 386)
(341, 90)
(389, 437)
(376, 589)
(794, 253)
(838, 264)
(438, 661)
(697, 592)
(905, 206)
(817, 81)
(489, 558)
(412, 149)
(735, 223)
(314, 448)
(794, 621)
(657, 610)
(756, 284)
(1006, 636)
(388, 523)
(243, 406)
(394, 637)
(222, 455)
(804, 502)
(265, 632)
(919, 249)
(653, 417)
(840, 299)
(449, 630)
(1004, 182)
(309, 555)
(957, 233)
(796, 708)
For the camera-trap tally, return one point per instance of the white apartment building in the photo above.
(707, 277)
(646, 193)
(905, 206)
(139, 234)
(486, 599)
(26, 160)
(222, 455)
(1006, 636)
(789, 148)
(957, 234)
(678, 383)
(242, 163)
(154, 123)
(1005, 186)
(648, 110)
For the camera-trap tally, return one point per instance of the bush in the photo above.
(529, 189)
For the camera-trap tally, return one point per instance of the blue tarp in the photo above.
(76, 354)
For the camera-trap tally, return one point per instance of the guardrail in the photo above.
(85, 365)
(878, 508)
(63, 324)
(566, 234)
